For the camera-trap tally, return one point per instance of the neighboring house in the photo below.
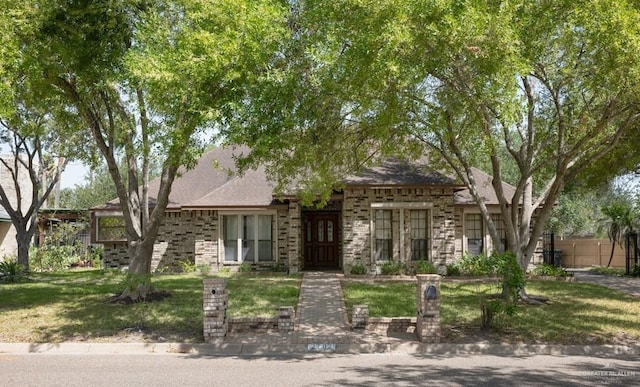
(8, 242)
(397, 212)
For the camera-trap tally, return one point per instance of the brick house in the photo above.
(397, 212)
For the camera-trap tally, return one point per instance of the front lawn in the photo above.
(577, 313)
(71, 306)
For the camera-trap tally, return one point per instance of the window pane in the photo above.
(265, 251)
(329, 231)
(265, 238)
(111, 229)
(383, 234)
(419, 234)
(321, 231)
(231, 250)
(230, 230)
(248, 242)
(473, 232)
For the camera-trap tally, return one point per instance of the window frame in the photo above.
(242, 251)
(426, 237)
(98, 217)
(399, 238)
(481, 230)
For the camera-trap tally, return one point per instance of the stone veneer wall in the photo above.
(357, 214)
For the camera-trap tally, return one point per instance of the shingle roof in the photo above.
(485, 189)
(214, 182)
(396, 172)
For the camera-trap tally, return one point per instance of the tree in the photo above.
(619, 219)
(548, 87)
(148, 78)
(33, 170)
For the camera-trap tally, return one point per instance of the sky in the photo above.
(75, 173)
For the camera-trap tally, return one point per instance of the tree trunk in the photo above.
(24, 240)
(613, 246)
(138, 281)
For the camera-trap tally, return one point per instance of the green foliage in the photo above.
(453, 270)
(549, 270)
(244, 267)
(512, 283)
(203, 268)
(635, 272)
(607, 270)
(186, 266)
(358, 269)
(479, 265)
(392, 268)
(132, 282)
(60, 250)
(425, 267)
(11, 271)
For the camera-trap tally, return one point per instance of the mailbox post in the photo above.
(215, 309)
(428, 302)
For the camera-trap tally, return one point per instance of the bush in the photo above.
(186, 266)
(11, 271)
(480, 265)
(425, 267)
(358, 269)
(53, 258)
(392, 268)
(512, 282)
(549, 270)
(244, 267)
(453, 270)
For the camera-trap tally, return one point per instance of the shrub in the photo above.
(244, 267)
(425, 267)
(53, 258)
(11, 271)
(358, 269)
(186, 266)
(203, 269)
(453, 270)
(392, 268)
(549, 270)
(480, 265)
(512, 282)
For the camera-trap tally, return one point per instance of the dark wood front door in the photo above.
(320, 240)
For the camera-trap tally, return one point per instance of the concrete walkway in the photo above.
(321, 321)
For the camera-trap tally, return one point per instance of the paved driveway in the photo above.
(626, 284)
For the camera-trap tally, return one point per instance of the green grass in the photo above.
(71, 306)
(577, 313)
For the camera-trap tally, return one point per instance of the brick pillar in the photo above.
(360, 317)
(428, 302)
(215, 308)
(286, 319)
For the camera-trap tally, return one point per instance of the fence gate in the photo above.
(548, 248)
(632, 253)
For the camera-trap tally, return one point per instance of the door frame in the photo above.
(307, 246)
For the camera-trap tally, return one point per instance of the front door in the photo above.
(320, 240)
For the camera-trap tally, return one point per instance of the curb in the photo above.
(235, 349)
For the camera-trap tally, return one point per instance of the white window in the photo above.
(247, 238)
(420, 243)
(412, 241)
(383, 235)
(473, 230)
